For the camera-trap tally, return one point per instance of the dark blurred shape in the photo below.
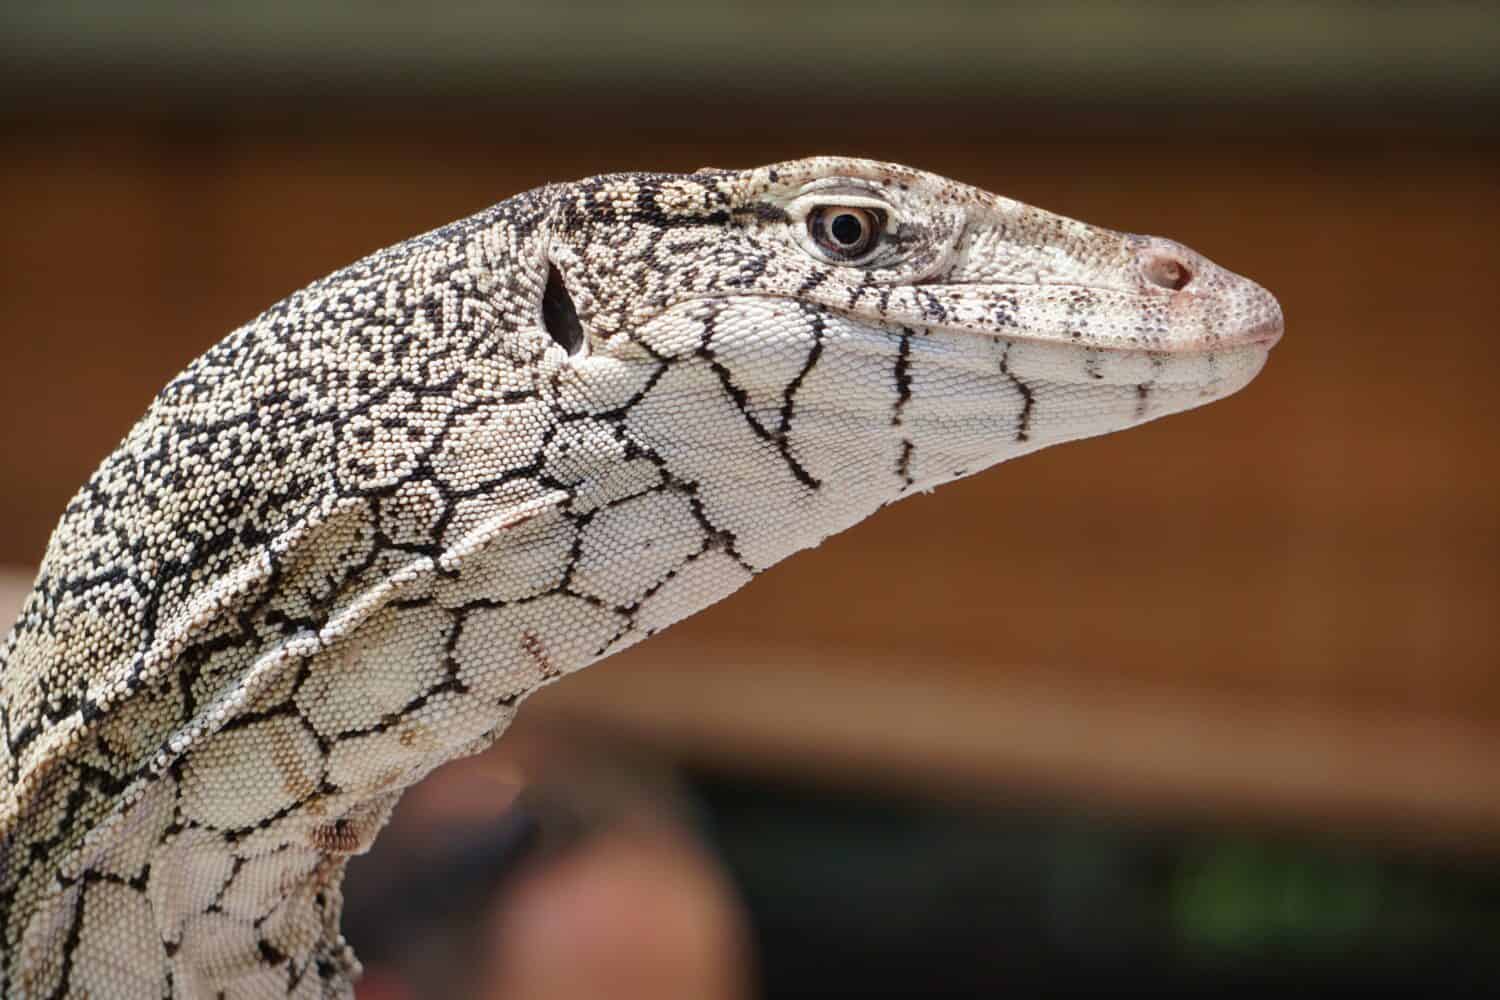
(637, 912)
(862, 894)
(594, 882)
(883, 895)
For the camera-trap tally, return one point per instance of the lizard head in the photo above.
(352, 535)
(857, 329)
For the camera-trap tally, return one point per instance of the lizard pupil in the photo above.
(847, 229)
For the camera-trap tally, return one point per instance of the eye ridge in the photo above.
(845, 232)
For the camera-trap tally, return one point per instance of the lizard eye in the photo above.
(845, 232)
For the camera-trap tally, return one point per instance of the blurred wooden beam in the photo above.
(1022, 734)
(947, 728)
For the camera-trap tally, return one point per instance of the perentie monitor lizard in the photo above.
(346, 543)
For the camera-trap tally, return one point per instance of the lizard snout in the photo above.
(1236, 310)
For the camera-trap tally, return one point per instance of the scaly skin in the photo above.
(345, 543)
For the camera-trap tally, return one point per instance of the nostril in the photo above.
(1167, 272)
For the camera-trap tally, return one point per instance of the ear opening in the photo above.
(560, 316)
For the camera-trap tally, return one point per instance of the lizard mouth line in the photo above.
(1264, 334)
(1268, 333)
(936, 317)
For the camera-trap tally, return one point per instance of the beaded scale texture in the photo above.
(344, 544)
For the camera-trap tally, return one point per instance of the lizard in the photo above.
(343, 545)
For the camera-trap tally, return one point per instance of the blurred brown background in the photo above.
(1280, 607)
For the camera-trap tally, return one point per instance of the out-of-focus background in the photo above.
(1232, 677)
